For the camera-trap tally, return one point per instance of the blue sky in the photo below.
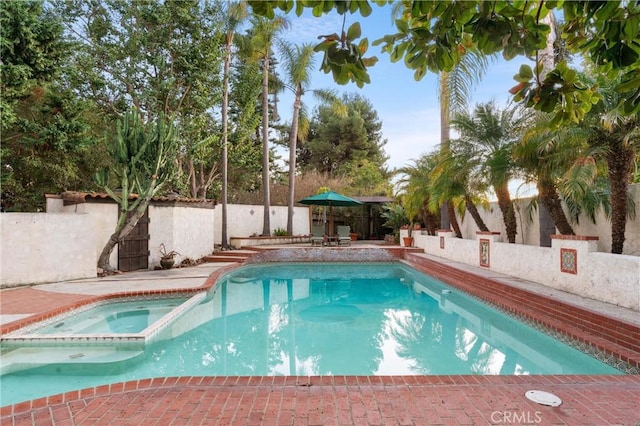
(407, 108)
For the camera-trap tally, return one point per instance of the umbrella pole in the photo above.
(324, 218)
(331, 233)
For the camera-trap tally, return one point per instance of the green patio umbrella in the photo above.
(330, 199)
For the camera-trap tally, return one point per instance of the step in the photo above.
(229, 256)
(216, 258)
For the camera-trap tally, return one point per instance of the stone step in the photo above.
(230, 256)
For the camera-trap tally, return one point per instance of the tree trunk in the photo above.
(551, 201)
(431, 221)
(124, 227)
(266, 196)
(445, 145)
(508, 212)
(473, 211)
(547, 226)
(104, 260)
(454, 220)
(619, 162)
(224, 194)
(293, 141)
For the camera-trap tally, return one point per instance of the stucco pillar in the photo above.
(484, 246)
(570, 251)
(442, 235)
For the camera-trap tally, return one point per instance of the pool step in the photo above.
(65, 357)
(230, 256)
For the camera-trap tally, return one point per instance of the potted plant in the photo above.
(167, 258)
(408, 240)
(395, 217)
(412, 208)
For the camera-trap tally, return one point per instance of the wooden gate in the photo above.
(133, 251)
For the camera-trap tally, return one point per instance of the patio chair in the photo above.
(317, 235)
(344, 235)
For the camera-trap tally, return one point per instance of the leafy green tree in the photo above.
(367, 178)
(488, 136)
(47, 132)
(335, 141)
(32, 51)
(432, 36)
(142, 155)
(245, 148)
(50, 146)
(159, 57)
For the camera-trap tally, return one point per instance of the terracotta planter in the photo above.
(353, 236)
(408, 241)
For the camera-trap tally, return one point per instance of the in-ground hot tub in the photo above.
(106, 331)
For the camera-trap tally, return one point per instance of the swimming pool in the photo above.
(324, 319)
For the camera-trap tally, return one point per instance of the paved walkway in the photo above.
(411, 400)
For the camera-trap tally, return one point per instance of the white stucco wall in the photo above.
(103, 215)
(247, 220)
(530, 262)
(605, 277)
(611, 278)
(187, 230)
(105, 219)
(466, 251)
(38, 247)
(528, 231)
(602, 228)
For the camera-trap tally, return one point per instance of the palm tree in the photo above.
(417, 190)
(453, 178)
(298, 62)
(546, 155)
(264, 34)
(618, 136)
(236, 13)
(489, 136)
(454, 93)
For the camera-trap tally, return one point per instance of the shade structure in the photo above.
(330, 199)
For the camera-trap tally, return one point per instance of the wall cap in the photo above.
(574, 237)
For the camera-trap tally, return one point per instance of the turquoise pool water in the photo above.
(116, 317)
(319, 319)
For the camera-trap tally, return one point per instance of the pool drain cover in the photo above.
(543, 398)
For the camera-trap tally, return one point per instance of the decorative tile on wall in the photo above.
(441, 242)
(568, 261)
(484, 252)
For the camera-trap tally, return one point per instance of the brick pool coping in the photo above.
(344, 400)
